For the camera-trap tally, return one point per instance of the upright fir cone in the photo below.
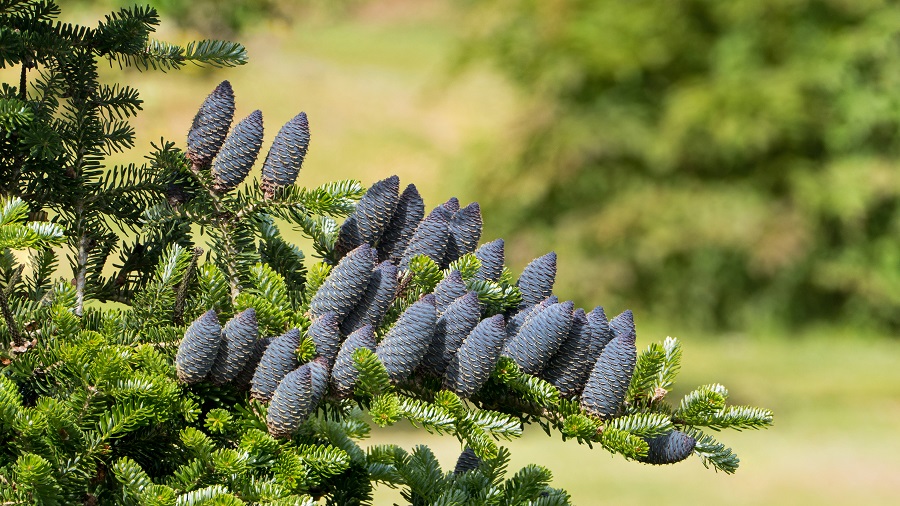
(449, 208)
(239, 334)
(379, 295)
(197, 351)
(430, 238)
(517, 320)
(409, 212)
(540, 337)
(348, 237)
(344, 373)
(279, 359)
(608, 382)
(490, 255)
(623, 324)
(245, 377)
(238, 154)
(404, 346)
(450, 331)
(570, 366)
(447, 290)
(296, 397)
(669, 448)
(600, 331)
(467, 461)
(210, 126)
(465, 231)
(346, 284)
(536, 281)
(372, 215)
(476, 358)
(325, 332)
(286, 155)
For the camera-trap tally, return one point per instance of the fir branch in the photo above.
(712, 453)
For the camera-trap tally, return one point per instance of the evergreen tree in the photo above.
(184, 396)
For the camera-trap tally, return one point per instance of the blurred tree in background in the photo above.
(717, 162)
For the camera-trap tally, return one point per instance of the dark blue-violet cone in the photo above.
(233, 163)
(345, 285)
(344, 373)
(404, 346)
(447, 290)
(198, 349)
(536, 281)
(325, 332)
(540, 337)
(476, 358)
(376, 300)
(490, 255)
(238, 337)
(669, 448)
(430, 238)
(450, 331)
(517, 320)
(409, 212)
(570, 366)
(608, 382)
(279, 359)
(285, 157)
(210, 125)
(296, 397)
(465, 231)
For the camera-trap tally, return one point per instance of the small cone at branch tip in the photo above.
(517, 320)
(210, 125)
(376, 209)
(296, 397)
(537, 279)
(325, 332)
(233, 163)
(569, 367)
(285, 157)
(239, 334)
(257, 349)
(409, 212)
(344, 373)
(279, 359)
(476, 358)
(375, 302)
(669, 448)
(198, 349)
(450, 331)
(467, 461)
(465, 231)
(608, 382)
(430, 238)
(346, 284)
(404, 346)
(540, 337)
(490, 255)
(447, 290)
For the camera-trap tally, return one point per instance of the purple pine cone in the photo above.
(536, 281)
(569, 368)
(540, 337)
(465, 231)
(623, 324)
(410, 211)
(296, 397)
(379, 295)
(430, 238)
(344, 373)
(286, 155)
(450, 331)
(405, 344)
(210, 125)
(669, 448)
(467, 461)
(447, 290)
(257, 349)
(239, 335)
(491, 257)
(325, 332)
(238, 154)
(517, 320)
(279, 359)
(197, 351)
(476, 358)
(608, 382)
(600, 331)
(346, 284)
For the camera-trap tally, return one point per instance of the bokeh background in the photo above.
(729, 170)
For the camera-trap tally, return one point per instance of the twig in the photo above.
(178, 313)
(81, 274)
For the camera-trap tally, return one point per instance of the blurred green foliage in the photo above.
(716, 162)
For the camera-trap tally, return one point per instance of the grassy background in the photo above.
(377, 92)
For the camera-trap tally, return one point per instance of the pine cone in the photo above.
(517, 320)
(473, 363)
(210, 125)
(430, 238)
(623, 325)
(608, 382)
(450, 331)
(296, 397)
(245, 377)
(325, 332)
(286, 155)
(600, 332)
(348, 237)
(569, 368)
(239, 333)
(669, 448)
(379, 295)
(344, 373)
(449, 208)
(404, 346)
(279, 359)
(536, 281)
(238, 154)
(540, 337)
(346, 284)
(197, 351)
(491, 257)
(447, 290)
(465, 231)
(376, 208)
(467, 461)
(410, 211)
